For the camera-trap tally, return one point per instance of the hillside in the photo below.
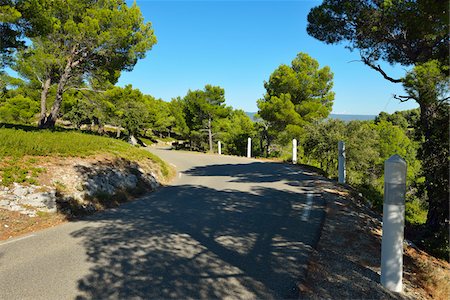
(49, 176)
(343, 117)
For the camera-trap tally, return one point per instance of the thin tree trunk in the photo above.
(44, 94)
(118, 132)
(210, 135)
(261, 145)
(434, 155)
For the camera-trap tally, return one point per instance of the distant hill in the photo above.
(251, 115)
(334, 116)
(352, 117)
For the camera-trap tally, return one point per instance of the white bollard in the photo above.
(249, 147)
(219, 146)
(393, 223)
(294, 151)
(341, 162)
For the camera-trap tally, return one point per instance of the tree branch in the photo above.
(85, 89)
(404, 98)
(379, 70)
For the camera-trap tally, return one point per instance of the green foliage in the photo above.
(368, 145)
(18, 109)
(297, 95)
(400, 32)
(179, 126)
(126, 107)
(18, 170)
(9, 34)
(85, 44)
(19, 143)
(411, 33)
(320, 144)
(160, 118)
(237, 128)
(203, 110)
(415, 212)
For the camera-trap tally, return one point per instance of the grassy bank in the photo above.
(18, 146)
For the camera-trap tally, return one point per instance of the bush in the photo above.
(18, 109)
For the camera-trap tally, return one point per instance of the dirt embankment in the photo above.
(72, 187)
(346, 262)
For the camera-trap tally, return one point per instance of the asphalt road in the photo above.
(227, 227)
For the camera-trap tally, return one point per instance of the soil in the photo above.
(13, 224)
(346, 261)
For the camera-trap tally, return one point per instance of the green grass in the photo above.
(17, 143)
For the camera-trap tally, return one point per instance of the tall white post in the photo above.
(219, 146)
(393, 223)
(341, 162)
(294, 151)
(249, 147)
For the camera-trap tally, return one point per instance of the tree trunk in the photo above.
(44, 94)
(51, 118)
(118, 132)
(434, 154)
(261, 145)
(210, 135)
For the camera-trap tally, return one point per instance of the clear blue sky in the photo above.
(238, 44)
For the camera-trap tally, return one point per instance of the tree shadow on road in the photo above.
(191, 241)
(257, 172)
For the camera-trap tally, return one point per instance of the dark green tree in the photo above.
(202, 108)
(296, 95)
(410, 33)
(20, 19)
(235, 130)
(126, 107)
(93, 41)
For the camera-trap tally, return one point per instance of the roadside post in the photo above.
(249, 148)
(393, 223)
(219, 146)
(341, 162)
(294, 151)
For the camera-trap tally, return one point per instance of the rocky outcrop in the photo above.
(83, 186)
(28, 199)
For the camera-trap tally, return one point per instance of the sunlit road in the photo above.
(227, 227)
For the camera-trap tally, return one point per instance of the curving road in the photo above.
(227, 227)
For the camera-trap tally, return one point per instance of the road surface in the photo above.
(227, 227)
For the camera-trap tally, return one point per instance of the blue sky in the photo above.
(238, 44)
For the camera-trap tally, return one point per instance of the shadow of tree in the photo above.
(257, 172)
(191, 241)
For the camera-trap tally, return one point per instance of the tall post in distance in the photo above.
(249, 148)
(219, 147)
(393, 223)
(341, 162)
(294, 151)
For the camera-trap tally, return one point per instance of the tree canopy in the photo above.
(87, 41)
(411, 33)
(296, 95)
(397, 31)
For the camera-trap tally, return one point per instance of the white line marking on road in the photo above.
(16, 240)
(173, 165)
(309, 200)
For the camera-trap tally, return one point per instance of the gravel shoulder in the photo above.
(346, 261)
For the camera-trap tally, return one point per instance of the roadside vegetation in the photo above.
(20, 150)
